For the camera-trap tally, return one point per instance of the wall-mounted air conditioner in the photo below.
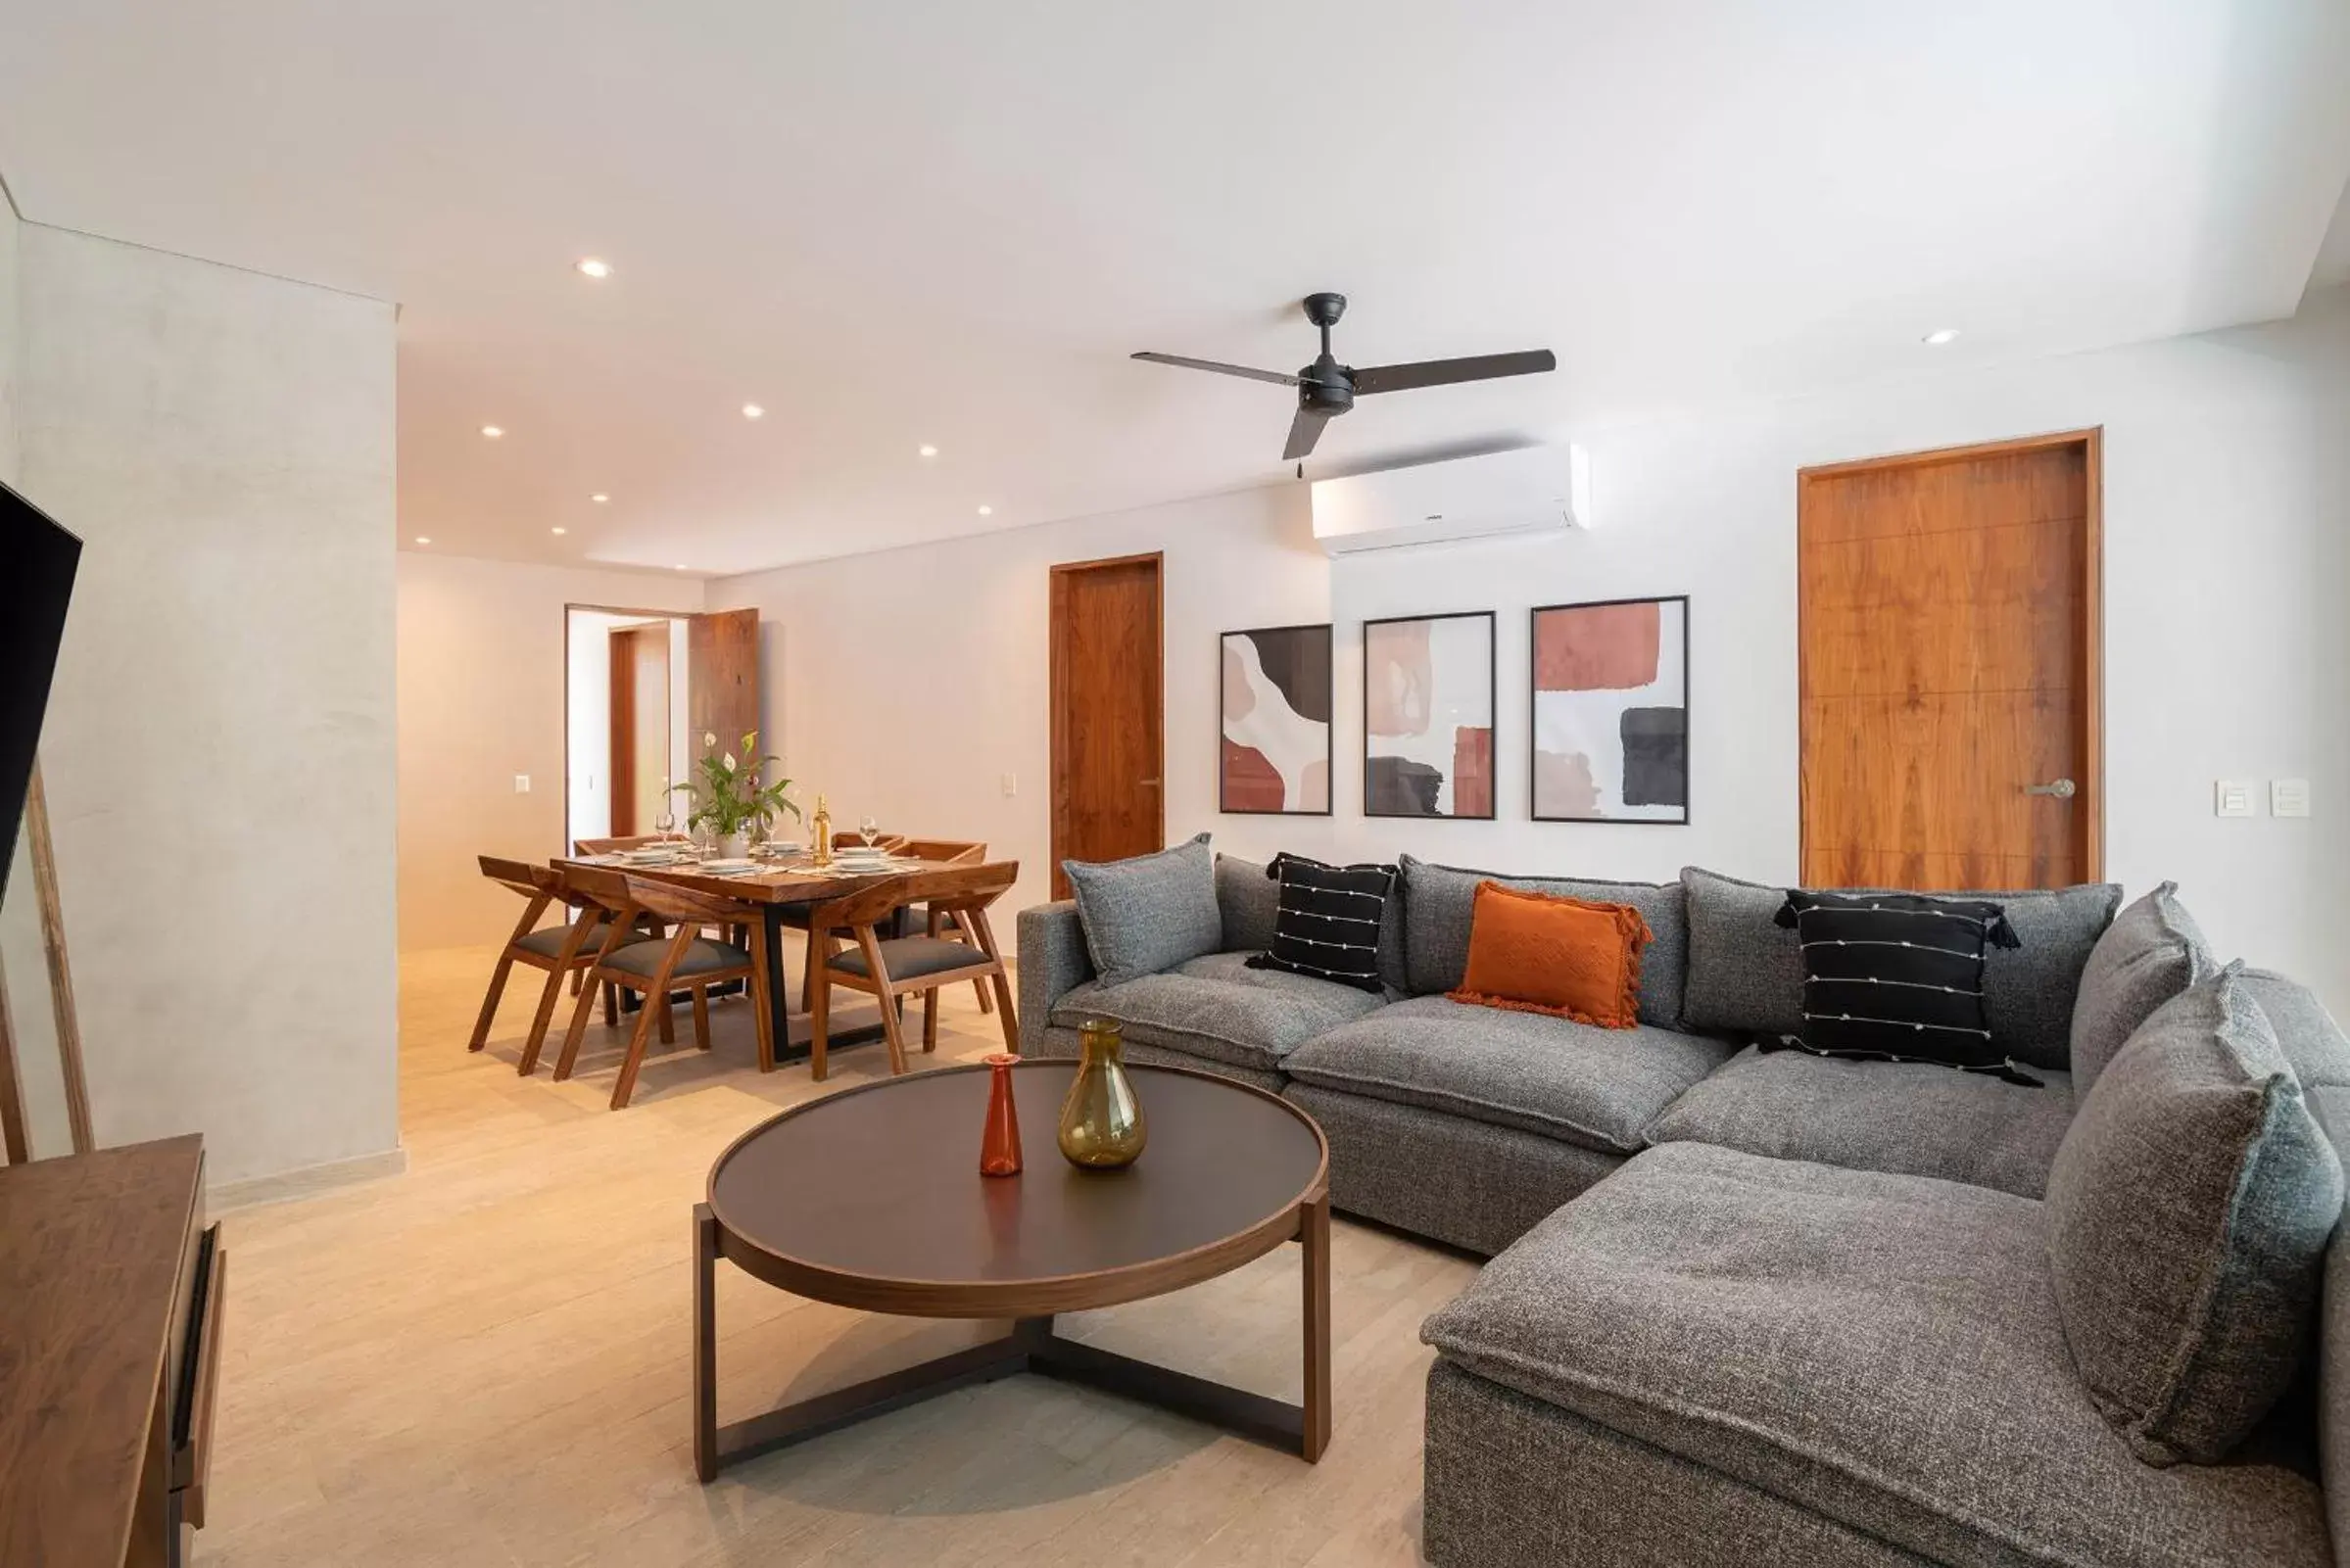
(1533, 491)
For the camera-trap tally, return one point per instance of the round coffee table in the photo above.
(870, 1198)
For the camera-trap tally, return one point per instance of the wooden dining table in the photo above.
(775, 888)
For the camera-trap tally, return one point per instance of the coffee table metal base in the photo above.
(1031, 1346)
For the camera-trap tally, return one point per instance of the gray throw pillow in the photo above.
(2151, 952)
(1439, 901)
(1249, 900)
(2188, 1210)
(1746, 975)
(1147, 913)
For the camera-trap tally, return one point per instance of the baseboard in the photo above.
(309, 1181)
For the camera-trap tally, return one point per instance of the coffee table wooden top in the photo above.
(872, 1198)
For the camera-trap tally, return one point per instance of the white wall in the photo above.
(11, 336)
(2226, 506)
(482, 699)
(218, 747)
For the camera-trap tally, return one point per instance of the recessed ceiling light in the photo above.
(595, 266)
(554, 531)
(421, 540)
(681, 567)
(986, 511)
(1941, 335)
(599, 498)
(927, 450)
(493, 431)
(751, 410)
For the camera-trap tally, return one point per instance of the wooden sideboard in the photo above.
(111, 1290)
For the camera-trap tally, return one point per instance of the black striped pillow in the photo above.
(1327, 925)
(1898, 977)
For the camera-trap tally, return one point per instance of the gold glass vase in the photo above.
(1102, 1127)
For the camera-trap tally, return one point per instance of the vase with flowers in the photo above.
(729, 801)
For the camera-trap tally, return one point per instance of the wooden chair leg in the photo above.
(611, 1005)
(930, 1020)
(627, 1083)
(892, 1024)
(545, 1015)
(579, 1027)
(986, 1003)
(489, 1003)
(701, 1016)
(762, 1013)
(1003, 1012)
(667, 1022)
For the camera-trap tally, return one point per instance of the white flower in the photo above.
(709, 738)
(729, 760)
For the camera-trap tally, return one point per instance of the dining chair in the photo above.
(560, 950)
(947, 852)
(658, 966)
(889, 968)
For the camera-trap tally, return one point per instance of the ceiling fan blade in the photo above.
(1304, 431)
(1445, 372)
(1276, 377)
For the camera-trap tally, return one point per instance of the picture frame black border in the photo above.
(1329, 737)
(1493, 685)
(1687, 708)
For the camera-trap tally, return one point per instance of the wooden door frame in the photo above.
(565, 848)
(1057, 657)
(2091, 441)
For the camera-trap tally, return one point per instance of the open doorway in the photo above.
(626, 740)
(641, 689)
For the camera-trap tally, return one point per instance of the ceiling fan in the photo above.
(1326, 389)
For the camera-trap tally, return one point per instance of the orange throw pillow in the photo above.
(1542, 953)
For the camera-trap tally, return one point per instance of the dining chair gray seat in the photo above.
(909, 957)
(701, 956)
(548, 942)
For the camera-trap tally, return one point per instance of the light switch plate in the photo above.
(522, 784)
(1011, 783)
(2288, 798)
(2232, 798)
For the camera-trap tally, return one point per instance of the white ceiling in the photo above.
(950, 222)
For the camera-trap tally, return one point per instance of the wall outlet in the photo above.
(2288, 798)
(522, 784)
(2232, 798)
(1011, 784)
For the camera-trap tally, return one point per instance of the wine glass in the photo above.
(869, 831)
(666, 823)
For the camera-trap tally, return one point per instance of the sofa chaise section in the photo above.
(1751, 1339)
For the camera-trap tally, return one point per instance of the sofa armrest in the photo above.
(1053, 962)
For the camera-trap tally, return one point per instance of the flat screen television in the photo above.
(37, 559)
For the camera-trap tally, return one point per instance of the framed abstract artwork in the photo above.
(1427, 716)
(1275, 722)
(1611, 711)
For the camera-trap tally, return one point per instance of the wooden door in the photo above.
(722, 680)
(1107, 703)
(1952, 733)
(639, 727)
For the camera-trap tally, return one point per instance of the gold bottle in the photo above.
(1102, 1126)
(820, 835)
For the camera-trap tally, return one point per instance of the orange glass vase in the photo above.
(999, 1144)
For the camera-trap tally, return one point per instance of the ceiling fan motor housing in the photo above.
(1326, 386)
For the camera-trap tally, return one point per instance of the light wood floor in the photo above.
(486, 1361)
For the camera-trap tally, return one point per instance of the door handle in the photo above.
(1146, 784)
(2062, 790)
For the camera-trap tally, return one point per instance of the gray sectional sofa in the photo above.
(1743, 1305)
